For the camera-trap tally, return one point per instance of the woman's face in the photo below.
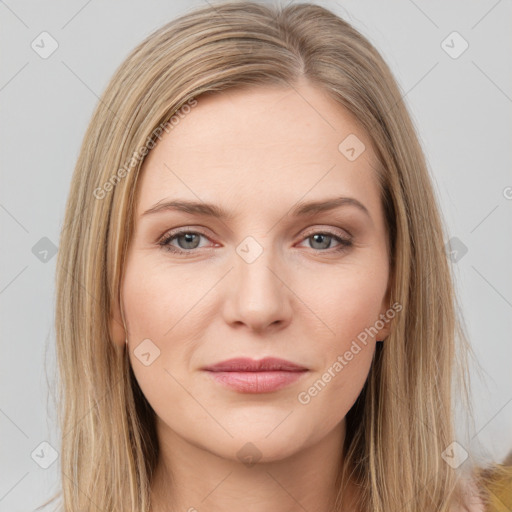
(263, 281)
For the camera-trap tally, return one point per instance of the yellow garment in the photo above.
(497, 484)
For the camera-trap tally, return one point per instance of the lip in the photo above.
(256, 376)
(245, 364)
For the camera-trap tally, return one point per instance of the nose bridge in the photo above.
(258, 295)
(253, 266)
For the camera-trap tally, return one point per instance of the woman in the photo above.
(254, 304)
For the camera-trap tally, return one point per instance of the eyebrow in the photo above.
(304, 209)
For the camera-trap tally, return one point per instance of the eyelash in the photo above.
(344, 243)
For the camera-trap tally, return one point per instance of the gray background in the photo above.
(461, 107)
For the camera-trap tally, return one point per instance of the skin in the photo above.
(256, 153)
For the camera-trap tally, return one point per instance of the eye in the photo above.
(321, 240)
(186, 240)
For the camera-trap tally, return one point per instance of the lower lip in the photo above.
(257, 382)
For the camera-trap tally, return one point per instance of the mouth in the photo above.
(256, 376)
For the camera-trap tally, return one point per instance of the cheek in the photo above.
(155, 299)
(165, 305)
(346, 347)
(346, 302)
(333, 389)
(347, 307)
(153, 307)
(331, 394)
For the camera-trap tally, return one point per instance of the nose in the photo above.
(257, 295)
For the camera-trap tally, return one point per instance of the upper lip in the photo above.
(244, 364)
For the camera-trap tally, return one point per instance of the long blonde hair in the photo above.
(403, 419)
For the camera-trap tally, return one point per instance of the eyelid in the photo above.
(342, 233)
(185, 227)
(178, 231)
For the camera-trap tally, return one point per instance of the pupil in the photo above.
(189, 239)
(320, 237)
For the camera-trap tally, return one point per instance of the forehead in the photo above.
(260, 147)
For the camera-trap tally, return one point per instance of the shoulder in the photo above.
(498, 485)
(490, 490)
(472, 496)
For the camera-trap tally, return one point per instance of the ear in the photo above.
(386, 319)
(385, 331)
(117, 331)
